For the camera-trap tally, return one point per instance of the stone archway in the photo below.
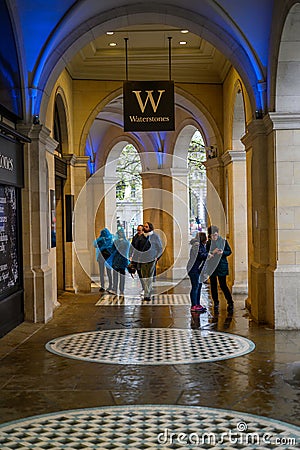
(284, 125)
(235, 176)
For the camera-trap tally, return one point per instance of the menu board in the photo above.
(9, 266)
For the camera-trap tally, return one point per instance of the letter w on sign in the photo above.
(149, 96)
(148, 106)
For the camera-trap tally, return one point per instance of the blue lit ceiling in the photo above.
(53, 32)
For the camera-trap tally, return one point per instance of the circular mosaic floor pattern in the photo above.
(151, 346)
(148, 427)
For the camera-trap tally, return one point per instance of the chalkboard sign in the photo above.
(9, 262)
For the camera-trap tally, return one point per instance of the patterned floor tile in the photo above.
(148, 427)
(151, 346)
(157, 300)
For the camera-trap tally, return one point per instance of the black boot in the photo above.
(230, 307)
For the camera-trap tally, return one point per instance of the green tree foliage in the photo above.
(128, 171)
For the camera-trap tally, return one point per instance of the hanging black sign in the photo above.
(149, 106)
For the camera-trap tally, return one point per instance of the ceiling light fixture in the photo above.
(184, 31)
(110, 33)
(112, 44)
(182, 42)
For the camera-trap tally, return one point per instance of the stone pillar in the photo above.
(259, 225)
(215, 193)
(38, 292)
(181, 221)
(97, 216)
(158, 209)
(235, 165)
(284, 270)
(83, 232)
(69, 190)
(110, 202)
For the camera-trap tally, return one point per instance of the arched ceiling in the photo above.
(71, 33)
(195, 61)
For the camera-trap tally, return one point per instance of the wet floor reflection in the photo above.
(34, 381)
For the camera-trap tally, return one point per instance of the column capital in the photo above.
(35, 132)
(179, 172)
(213, 163)
(76, 161)
(233, 156)
(51, 145)
(282, 121)
(110, 179)
(256, 128)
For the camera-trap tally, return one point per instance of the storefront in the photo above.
(11, 182)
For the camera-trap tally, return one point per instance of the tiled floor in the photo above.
(151, 346)
(263, 382)
(148, 427)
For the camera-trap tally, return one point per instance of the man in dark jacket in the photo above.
(217, 266)
(149, 249)
(133, 254)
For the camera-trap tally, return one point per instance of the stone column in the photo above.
(235, 164)
(79, 251)
(215, 193)
(284, 167)
(158, 209)
(259, 225)
(38, 292)
(181, 221)
(69, 190)
(110, 202)
(97, 216)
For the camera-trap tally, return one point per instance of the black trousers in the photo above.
(223, 286)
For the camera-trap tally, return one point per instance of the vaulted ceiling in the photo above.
(193, 60)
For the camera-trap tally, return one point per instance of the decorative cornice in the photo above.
(282, 121)
(233, 156)
(110, 180)
(179, 172)
(51, 145)
(213, 163)
(254, 129)
(76, 161)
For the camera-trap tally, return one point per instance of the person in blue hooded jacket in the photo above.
(119, 261)
(104, 245)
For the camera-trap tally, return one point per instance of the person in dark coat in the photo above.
(198, 255)
(149, 250)
(133, 254)
(217, 266)
(119, 261)
(103, 245)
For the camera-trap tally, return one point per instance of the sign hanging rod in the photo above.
(126, 55)
(170, 58)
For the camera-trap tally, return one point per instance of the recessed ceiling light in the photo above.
(110, 32)
(182, 42)
(112, 44)
(184, 31)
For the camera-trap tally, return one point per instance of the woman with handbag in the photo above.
(198, 255)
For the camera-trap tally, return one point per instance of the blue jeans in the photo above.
(196, 288)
